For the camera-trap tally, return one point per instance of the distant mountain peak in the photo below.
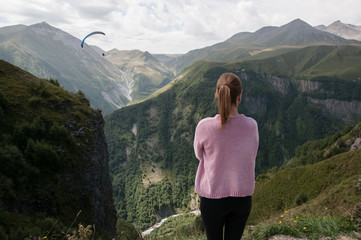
(297, 23)
(41, 24)
(148, 55)
(337, 23)
(44, 26)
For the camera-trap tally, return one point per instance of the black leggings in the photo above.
(230, 213)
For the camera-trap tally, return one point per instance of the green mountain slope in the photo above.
(53, 157)
(151, 143)
(328, 186)
(266, 42)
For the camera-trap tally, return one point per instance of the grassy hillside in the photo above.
(50, 141)
(150, 144)
(329, 187)
(312, 62)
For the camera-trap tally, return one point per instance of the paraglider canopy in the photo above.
(97, 32)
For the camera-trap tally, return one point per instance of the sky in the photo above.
(173, 26)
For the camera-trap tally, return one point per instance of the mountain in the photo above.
(295, 33)
(295, 97)
(147, 71)
(267, 40)
(347, 31)
(50, 53)
(109, 79)
(120, 77)
(54, 160)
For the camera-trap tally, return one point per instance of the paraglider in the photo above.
(97, 32)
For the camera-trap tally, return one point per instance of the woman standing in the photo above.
(226, 146)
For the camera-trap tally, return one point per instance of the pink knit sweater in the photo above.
(226, 157)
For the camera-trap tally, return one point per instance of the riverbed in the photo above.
(149, 230)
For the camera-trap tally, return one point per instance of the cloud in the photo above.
(176, 26)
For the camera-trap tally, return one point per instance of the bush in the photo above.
(301, 198)
(127, 231)
(43, 156)
(54, 82)
(34, 101)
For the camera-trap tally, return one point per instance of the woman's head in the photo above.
(229, 87)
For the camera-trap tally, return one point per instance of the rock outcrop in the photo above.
(54, 158)
(308, 86)
(93, 179)
(96, 178)
(347, 111)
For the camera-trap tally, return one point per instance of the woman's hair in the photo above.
(229, 86)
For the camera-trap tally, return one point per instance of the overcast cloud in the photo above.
(173, 26)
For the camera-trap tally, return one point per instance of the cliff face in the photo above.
(53, 158)
(94, 179)
(347, 111)
(282, 85)
(307, 86)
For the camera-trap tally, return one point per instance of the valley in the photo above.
(291, 103)
(112, 135)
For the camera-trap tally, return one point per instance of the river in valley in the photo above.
(149, 230)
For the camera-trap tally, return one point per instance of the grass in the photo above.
(304, 227)
(328, 188)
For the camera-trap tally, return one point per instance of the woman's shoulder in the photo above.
(207, 120)
(249, 120)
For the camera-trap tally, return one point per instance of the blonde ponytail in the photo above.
(229, 86)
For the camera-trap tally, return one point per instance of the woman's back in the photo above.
(227, 156)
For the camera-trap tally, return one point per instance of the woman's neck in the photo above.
(234, 111)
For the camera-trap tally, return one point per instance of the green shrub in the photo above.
(43, 156)
(34, 101)
(127, 231)
(54, 82)
(301, 198)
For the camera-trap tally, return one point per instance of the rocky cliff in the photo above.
(53, 158)
(93, 179)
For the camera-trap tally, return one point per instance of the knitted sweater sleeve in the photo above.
(197, 144)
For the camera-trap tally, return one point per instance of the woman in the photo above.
(226, 146)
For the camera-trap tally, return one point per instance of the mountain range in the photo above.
(120, 77)
(348, 31)
(267, 41)
(300, 84)
(51, 53)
